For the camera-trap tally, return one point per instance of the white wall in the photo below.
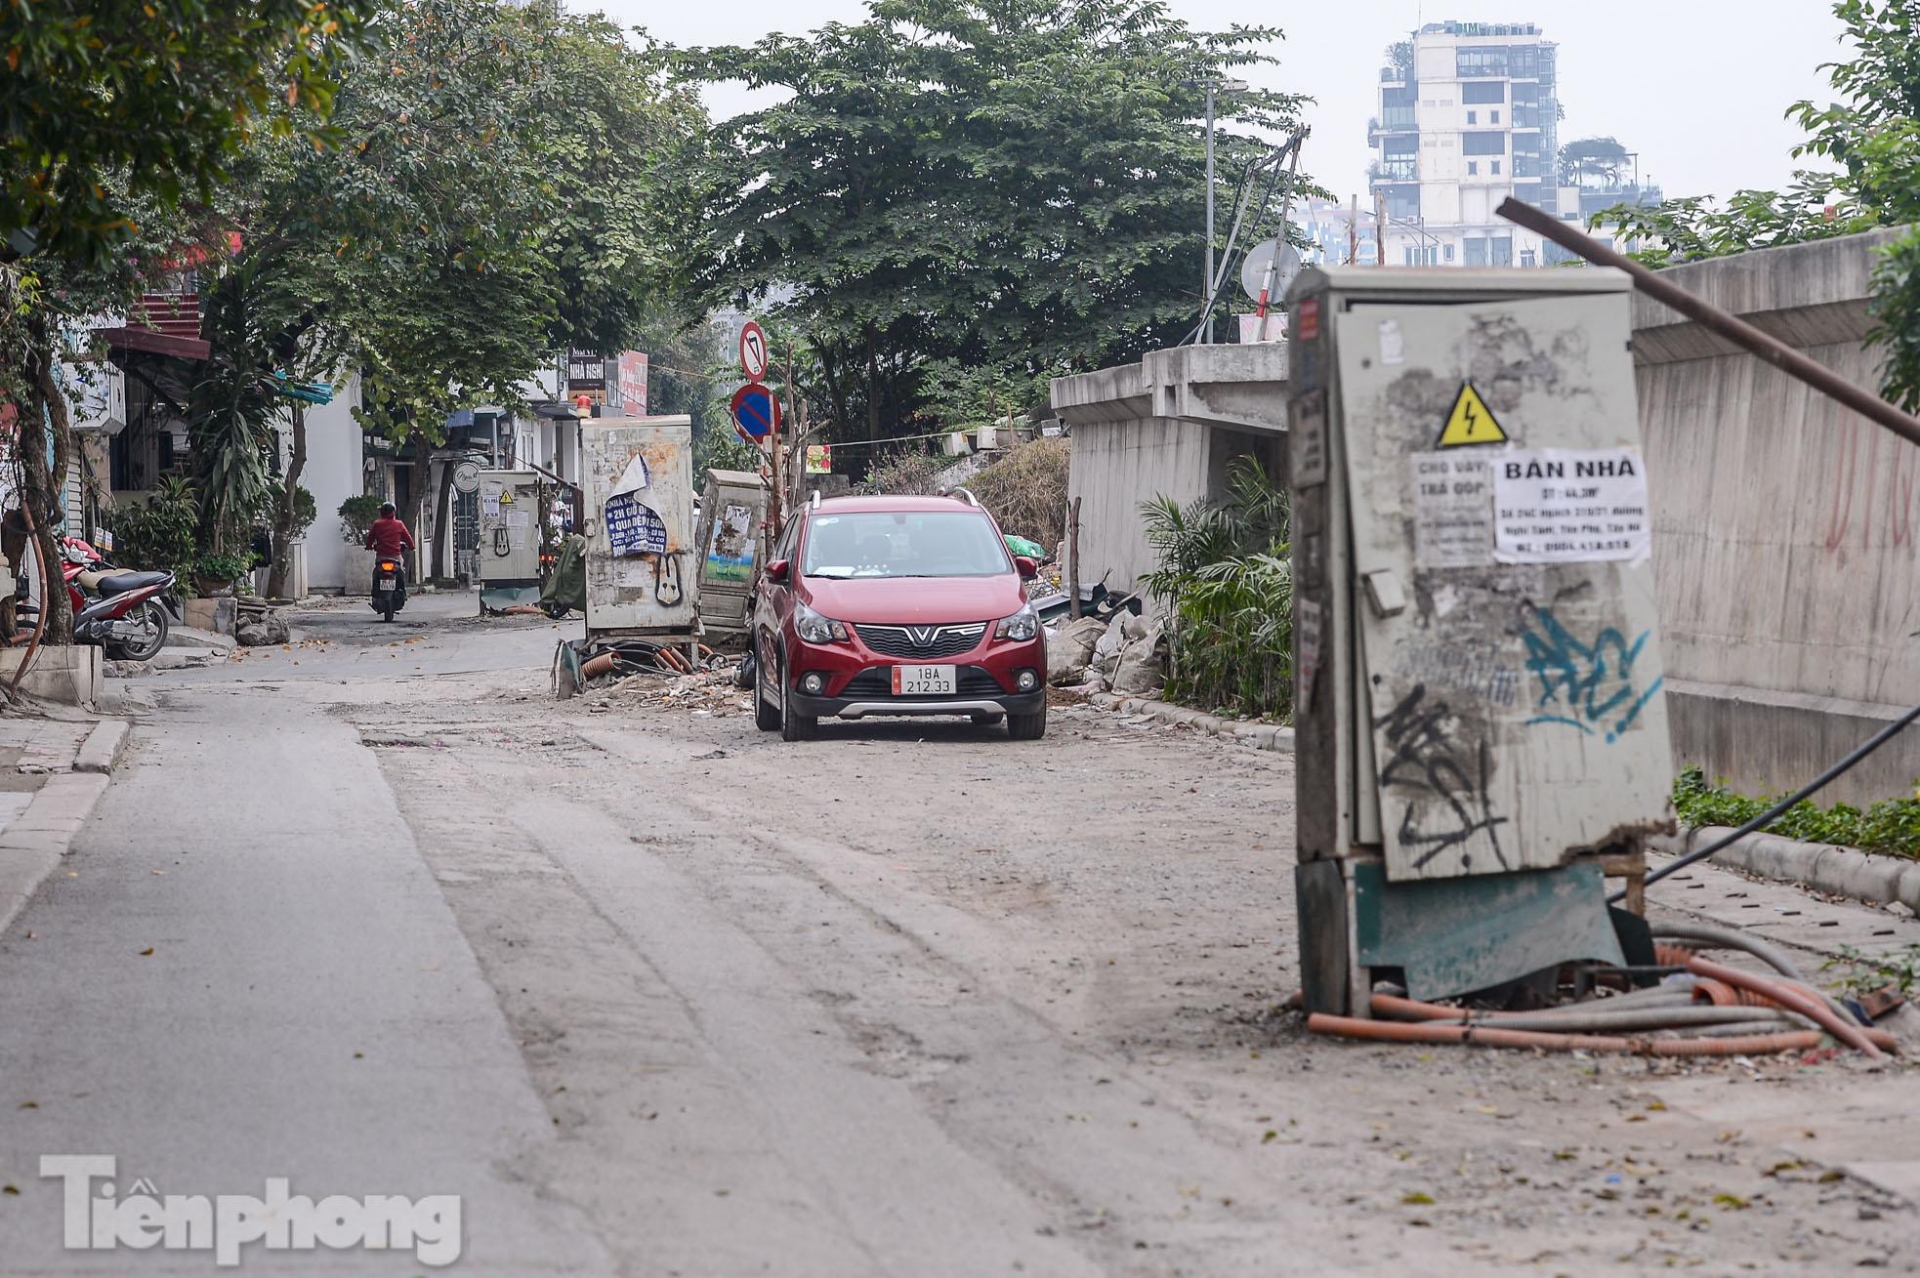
(333, 473)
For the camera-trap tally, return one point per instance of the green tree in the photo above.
(493, 192)
(1016, 185)
(1873, 134)
(118, 119)
(607, 132)
(105, 102)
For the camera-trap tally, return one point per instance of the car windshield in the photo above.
(904, 543)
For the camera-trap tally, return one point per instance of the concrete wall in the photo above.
(1167, 426)
(333, 473)
(1785, 530)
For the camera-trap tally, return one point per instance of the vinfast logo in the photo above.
(922, 636)
(96, 1218)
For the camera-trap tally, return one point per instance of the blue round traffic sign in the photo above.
(755, 410)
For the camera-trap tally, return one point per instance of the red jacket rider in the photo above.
(389, 537)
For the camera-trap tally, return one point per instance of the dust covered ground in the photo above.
(913, 998)
(662, 995)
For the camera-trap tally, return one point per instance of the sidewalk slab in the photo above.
(1781, 912)
(32, 845)
(102, 747)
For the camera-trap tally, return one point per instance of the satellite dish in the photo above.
(1253, 271)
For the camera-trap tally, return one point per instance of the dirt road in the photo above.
(913, 999)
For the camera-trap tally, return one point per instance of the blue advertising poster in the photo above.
(634, 529)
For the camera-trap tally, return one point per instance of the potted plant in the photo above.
(213, 573)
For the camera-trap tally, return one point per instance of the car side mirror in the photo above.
(1027, 568)
(778, 570)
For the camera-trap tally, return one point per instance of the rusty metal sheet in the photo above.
(1503, 585)
(1454, 936)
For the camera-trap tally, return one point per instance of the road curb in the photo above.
(1247, 732)
(32, 845)
(101, 750)
(1849, 872)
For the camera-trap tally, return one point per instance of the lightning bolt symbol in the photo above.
(1471, 418)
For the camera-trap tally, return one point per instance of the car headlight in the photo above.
(1020, 627)
(815, 628)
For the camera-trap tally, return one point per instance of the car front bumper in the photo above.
(864, 707)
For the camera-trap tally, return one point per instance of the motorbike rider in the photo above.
(389, 537)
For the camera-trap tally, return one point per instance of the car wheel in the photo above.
(1028, 727)
(793, 727)
(984, 719)
(765, 717)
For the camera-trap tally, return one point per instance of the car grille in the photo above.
(968, 681)
(935, 641)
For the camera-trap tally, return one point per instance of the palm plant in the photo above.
(1225, 582)
(234, 403)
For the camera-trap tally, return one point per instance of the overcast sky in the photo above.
(1697, 87)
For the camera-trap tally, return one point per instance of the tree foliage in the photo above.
(1873, 135)
(105, 102)
(1014, 184)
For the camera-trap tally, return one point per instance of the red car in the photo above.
(897, 606)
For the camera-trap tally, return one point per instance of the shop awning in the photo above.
(151, 341)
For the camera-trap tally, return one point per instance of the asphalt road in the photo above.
(656, 994)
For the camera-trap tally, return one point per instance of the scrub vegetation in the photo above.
(1891, 826)
(1225, 583)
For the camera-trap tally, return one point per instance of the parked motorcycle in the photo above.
(389, 587)
(126, 613)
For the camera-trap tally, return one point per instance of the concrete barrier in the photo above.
(72, 674)
(1786, 530)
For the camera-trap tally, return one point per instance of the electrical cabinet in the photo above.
(507, 552)
(1479, 704)
(641, 579)
(732, 510)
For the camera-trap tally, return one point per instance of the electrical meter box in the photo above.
(1478, 712)
(641, 578)
(732, 510)
(508, 551)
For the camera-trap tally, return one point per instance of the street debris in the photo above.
(259, 630)
(1126, 653)
(707, 692)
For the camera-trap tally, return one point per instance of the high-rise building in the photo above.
(1468, 116)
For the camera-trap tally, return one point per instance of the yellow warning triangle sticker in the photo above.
(1470, 422)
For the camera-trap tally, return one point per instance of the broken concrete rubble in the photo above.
(267, 628)
(1140, 669)
(1126, 653)
(1070, 648)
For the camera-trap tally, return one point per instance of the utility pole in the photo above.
(1353, 231)
(1379, 227)
(1206, 280)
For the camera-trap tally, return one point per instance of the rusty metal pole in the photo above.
(1715, 320)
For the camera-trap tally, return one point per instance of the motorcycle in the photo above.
(389, 587)
(127, 613)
